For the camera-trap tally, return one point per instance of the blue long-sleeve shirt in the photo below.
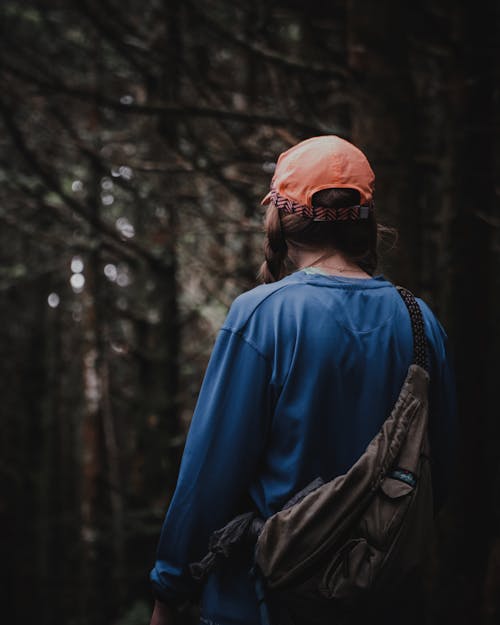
(303, 373)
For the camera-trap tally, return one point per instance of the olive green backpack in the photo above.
(338, 543)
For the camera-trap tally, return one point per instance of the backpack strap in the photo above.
(420, 356)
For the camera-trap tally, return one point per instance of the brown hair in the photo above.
(356, 239)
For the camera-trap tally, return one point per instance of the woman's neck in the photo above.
(333, 263)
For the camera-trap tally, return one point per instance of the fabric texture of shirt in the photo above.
(303, 373)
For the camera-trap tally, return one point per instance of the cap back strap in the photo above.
(320, 213)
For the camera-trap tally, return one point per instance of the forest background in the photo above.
(136, 139)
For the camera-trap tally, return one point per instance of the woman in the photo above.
(304, 371)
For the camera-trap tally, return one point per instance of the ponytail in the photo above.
(275, 247)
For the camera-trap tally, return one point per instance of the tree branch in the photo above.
(331, 71)
(53, 184)
(179, 112)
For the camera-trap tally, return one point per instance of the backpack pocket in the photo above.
(354, 567)
(351, 570)
(386, 511)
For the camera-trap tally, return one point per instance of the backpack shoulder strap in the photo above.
(420, 355)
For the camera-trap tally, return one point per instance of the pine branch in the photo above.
(53, 185)
(55, 86)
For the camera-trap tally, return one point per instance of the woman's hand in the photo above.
(162, 614)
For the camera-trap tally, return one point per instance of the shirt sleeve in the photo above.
(223, 448)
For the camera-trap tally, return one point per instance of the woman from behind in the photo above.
(304, 372)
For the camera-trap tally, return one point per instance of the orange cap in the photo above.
(318, 163)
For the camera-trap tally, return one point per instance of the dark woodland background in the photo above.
(136, 139)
